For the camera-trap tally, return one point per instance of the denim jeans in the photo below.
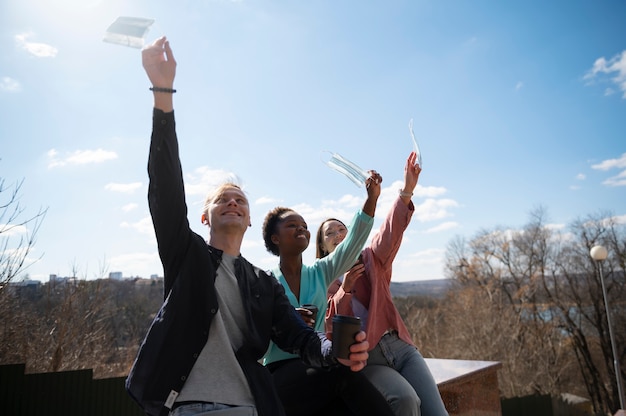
(212, 409)
(416, 384)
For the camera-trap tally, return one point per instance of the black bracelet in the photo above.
(166, 90)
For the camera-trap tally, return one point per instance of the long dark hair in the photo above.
(320, 252)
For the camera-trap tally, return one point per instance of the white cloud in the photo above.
(615, 66)
(619, 180)
(203, 179)
(129, 207)
(611, 163)
(137, 261)
(429, 191)
(40, 50)
(434, 209)
(144, 225)
(265, 200)
(249, 244)
(579, 177)
(10, 85)
(519, 85)
(80, 157)
(8, 230)
(444, 226)
(405, 266)
(127, 188)
(620, 163)
(19, 254)
(555, 226)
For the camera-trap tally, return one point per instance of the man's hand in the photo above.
(307, 316)
(358, 353)
(159, 63)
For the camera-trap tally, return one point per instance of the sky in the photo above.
(516, 105)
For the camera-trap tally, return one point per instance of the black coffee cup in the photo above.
(345, 328)
(312, 308)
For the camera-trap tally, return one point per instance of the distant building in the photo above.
(115, 275)
(154, 277)
(23, 286)
(27, 283)
(55, 280)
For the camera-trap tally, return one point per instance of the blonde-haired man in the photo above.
(200, 356)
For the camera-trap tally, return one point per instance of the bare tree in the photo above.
(75, 323)
(18, 232)
(542, 292)
(78, 333)
(575, 290)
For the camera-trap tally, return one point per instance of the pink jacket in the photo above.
(372, 289)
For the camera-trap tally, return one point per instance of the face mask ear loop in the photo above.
(416, 147)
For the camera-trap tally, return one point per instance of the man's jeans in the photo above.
(212, 409)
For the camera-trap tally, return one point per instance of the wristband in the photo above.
(405, 194)
(165, 90)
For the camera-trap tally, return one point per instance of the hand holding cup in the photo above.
(349, 343)
(358, 353)
(308, 312)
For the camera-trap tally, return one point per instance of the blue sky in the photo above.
(515, 105)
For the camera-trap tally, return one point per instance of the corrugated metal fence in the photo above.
(63, 393)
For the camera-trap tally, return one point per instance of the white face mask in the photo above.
(347, 168)
(128, 31)
(416, 147)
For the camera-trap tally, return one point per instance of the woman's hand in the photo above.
(412, 172)
(373, 184)
(373, 192)
(352, 276)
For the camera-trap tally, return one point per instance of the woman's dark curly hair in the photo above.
(269, 228)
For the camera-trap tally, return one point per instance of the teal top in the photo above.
(315, 279)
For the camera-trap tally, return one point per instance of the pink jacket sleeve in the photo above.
(386, 242)
(339, 303)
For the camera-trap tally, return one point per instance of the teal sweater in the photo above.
(315, 279)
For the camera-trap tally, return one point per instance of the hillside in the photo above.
(435, 288)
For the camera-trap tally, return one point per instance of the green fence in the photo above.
(63, 393)
(69, 393)
(544, 405)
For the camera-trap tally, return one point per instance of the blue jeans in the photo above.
(416, 385)
(211, 409)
